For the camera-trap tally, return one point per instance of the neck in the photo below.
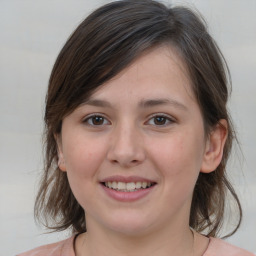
(162, 242)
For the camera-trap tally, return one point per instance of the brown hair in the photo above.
(105, 43)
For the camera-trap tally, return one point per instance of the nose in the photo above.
(126, 146)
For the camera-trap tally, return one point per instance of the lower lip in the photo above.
(127, 196)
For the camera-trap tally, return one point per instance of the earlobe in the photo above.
(61, 159)
(214, 147)
(61, 163)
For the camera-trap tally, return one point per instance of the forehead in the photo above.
(156, 72)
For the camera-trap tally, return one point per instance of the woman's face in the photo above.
(134, 150)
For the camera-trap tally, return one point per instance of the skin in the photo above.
(149, 125)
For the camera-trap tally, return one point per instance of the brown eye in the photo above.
(96, 120)
(160, 120)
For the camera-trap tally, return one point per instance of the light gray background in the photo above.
(32, 33)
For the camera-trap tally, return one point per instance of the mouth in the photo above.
(128, 186)
(127, 189)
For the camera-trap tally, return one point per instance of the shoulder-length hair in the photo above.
(104, 44)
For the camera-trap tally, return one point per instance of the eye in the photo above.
(96, 120)
(160, 120)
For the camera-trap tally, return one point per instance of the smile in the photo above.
(128, 186)
(127, 189)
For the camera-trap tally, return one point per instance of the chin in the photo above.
(130, 225)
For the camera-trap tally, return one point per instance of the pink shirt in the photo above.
(216, 247)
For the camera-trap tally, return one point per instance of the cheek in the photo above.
(83, 156)
(178, 157)
(83, 160)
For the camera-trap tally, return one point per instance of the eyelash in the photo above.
(166, 118)
(89, 120)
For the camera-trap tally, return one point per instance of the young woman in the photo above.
(138, 137)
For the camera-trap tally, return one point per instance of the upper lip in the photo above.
(126, 179)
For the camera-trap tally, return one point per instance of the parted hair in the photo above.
(105, 43)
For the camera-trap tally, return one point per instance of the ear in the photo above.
(61, 159)
(214, 147)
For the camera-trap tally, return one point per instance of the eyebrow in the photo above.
(142, 104)
(97, 103)
(162, 101)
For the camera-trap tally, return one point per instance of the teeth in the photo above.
(138, 185)
(120, 185)
(114, 185)
(128, 187)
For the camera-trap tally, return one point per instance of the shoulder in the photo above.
(64, 247)
(218, 247)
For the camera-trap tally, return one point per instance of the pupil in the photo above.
(160, 120)
(97, 120)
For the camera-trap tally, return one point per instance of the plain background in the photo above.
(32, 34)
